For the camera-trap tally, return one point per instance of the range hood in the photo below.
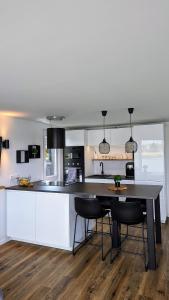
(55, 138)
(56, 142)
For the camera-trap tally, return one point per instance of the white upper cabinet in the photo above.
(120, 136)
(149, 159)
(95, 137)
(114, 137)
(75, 137)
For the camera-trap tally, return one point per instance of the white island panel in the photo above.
(21, 215)
(43, 218)
(52, 220)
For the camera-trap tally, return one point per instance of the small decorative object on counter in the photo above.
(34, 151)
(24, 181)
(117, 179)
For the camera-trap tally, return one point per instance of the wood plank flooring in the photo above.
(30, 272)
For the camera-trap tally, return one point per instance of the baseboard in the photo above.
(51, 245)
(4, 241)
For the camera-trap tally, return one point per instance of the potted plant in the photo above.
(117, 179)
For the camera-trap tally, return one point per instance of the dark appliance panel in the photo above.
(74, 158)
(130, 170)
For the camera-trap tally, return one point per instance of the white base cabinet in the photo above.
(52, 219)
(3, 237)
(21, 215)
(42, 218)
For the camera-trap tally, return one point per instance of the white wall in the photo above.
(20, 133)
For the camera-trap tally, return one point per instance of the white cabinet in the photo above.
(115, 137)
(110, 181)
(95, 137)
(2, 216)
(75, 137)
(41, 218)
(149, 159)
(21, 215)
(119, 136)
(98, 180)
(52, 219)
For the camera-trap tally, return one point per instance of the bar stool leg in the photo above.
(109, 216)
(144, 247)
(85, 229)
(74, 235)
(102, 239)
(96, 225)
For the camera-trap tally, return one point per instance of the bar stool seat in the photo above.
(106, 201)
(141, 201)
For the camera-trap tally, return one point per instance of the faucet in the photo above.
(102, 170)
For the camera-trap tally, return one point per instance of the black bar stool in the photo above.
(128, 213)
(89, 209)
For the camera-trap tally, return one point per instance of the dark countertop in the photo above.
(99, 176)
(100, 189)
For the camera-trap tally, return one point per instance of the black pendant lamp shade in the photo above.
(55, 138)
(104, 147)
(131, 145)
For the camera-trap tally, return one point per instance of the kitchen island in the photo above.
(44, 214)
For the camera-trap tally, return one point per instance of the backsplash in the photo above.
(113, 163)
(110, 167)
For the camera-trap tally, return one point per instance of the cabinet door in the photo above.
(120, 136)
(21, 215)
(149, 159)
(52, 219)
(97, 180)
(75, 138)
(95, 137)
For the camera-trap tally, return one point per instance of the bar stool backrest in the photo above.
(142, 201)
(129, 213)
(89, 208)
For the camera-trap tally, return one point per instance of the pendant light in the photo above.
(104, 147)
(131, 145)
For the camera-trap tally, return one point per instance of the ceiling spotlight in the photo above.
(55, 118)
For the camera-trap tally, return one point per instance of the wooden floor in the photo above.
(37, 273)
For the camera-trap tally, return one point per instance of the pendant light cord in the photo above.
(131, 126)
(104, 126)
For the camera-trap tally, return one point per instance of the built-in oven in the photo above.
(74, 164)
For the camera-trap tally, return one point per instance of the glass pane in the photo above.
(49, 159)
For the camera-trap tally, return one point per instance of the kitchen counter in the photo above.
(99, 176)
(84, 189)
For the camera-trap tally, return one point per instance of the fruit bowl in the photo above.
(24, 181)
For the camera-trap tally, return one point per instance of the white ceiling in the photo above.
(75, 58)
